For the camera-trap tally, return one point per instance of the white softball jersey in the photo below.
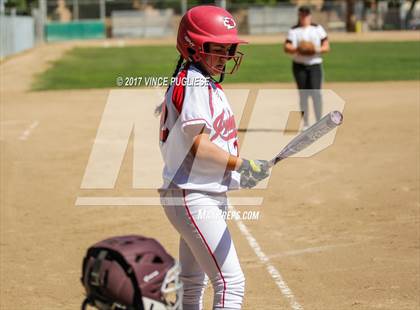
(313, 33)
(194, 99)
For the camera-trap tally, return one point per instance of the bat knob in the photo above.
(336, 117)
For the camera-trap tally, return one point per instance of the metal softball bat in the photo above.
(309, 136)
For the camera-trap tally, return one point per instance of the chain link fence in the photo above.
(86, 19)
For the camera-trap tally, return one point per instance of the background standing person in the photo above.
(306, 41)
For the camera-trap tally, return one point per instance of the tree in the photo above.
(350, 19)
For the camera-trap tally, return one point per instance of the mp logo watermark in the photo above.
(128, 139)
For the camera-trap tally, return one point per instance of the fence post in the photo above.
(2, 9)
(102, 9)
(184, 6)
(42, 19)
(75, 9)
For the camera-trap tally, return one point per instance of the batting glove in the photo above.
(253, 171)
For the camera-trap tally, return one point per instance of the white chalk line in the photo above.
(310, 250)
(27, 132)
(6, 124)
(274, 273)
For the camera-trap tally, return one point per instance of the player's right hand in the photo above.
(253, 171)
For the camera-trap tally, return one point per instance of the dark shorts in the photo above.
(308, 76)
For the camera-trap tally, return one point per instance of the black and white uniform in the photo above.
(307, 70)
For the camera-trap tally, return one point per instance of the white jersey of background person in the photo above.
(314, 33)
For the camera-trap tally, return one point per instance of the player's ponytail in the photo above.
(158, 109)
(178, 66)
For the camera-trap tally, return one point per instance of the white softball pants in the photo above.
(206, 249)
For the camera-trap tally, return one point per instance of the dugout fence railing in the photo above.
(17, 33)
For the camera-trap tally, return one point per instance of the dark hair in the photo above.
(178, 66)
(158, 109)
(304, 9)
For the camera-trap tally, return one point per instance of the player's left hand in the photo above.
(252, 172)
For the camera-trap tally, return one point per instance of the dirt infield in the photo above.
(342, 227)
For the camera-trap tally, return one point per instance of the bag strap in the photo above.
(94, 274)
(100, 254)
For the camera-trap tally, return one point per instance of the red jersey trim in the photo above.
(218, 85)
(207, 246)
(178, 94)
(211, 100)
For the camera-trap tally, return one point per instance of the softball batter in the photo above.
(199, 145)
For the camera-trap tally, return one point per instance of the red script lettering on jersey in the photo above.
(224, 128)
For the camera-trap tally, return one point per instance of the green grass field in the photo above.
(99, 67)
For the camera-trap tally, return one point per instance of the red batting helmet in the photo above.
(208, 24)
